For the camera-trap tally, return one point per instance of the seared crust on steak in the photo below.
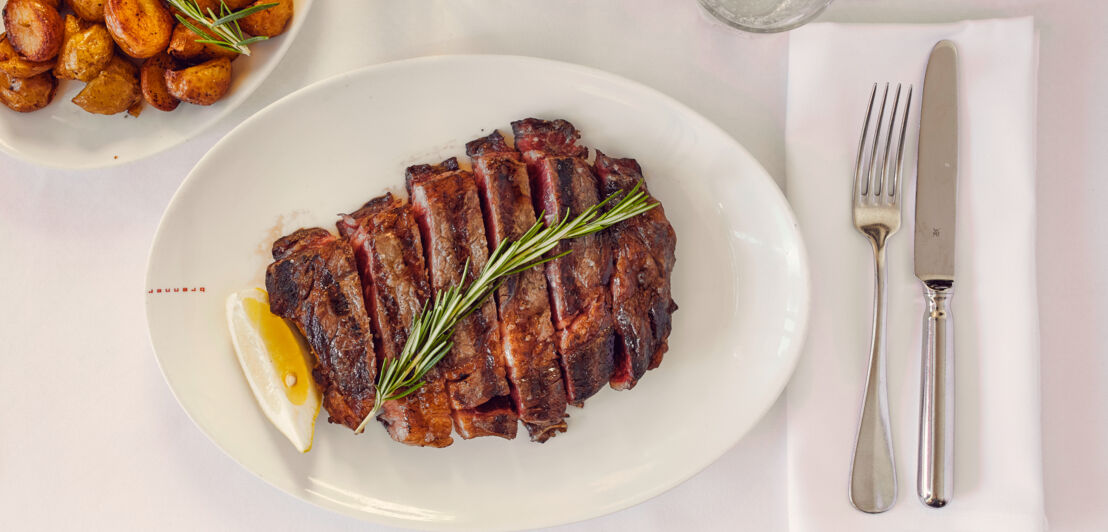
(644, 249)
(314, 283)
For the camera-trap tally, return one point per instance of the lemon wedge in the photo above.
(276, 362)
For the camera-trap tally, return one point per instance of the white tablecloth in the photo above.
(91, 438)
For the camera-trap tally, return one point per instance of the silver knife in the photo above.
(936, 199)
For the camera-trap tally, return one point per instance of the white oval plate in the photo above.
(63, 135)
(741, 281)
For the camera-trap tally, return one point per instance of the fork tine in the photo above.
(883, 182)
(858, 170)
(871, 184)
(900, 145)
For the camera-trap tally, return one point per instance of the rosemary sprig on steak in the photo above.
(429, 338)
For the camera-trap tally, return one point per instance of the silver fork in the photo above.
(877, 216)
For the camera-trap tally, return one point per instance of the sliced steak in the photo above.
(313, 282)
(644, 257)
(448, 211)
(389, 255)
(522, 301)
(563, 184)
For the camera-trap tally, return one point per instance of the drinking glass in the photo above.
(765, 16)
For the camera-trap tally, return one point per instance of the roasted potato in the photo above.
(86, 51)
(268, 22)
(27, 94)
(114, 90)
(34, 27)
(183, 47)
(142, 28)
(203, 84)
(235, 5)
(152, 76)
(214, 6)
(17, 67)
(90, 10)
(204, 5)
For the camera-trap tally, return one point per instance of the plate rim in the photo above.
(247, 89)
(705, 460)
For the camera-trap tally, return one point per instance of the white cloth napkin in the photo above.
(998, 465)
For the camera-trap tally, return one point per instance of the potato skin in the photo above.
(86, 51)
(152, 77)
(114, 90)
(203, 84)
(141, 28)
(268, 22)
(90, 10)
(205, 5)
(27, 94)
(35, 28)
(183, 47)
(18, 67)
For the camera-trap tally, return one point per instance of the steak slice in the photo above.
(564, 185)
(447, 208)
(644, 257)
(314, 283)
(523, 304)
(389, 255)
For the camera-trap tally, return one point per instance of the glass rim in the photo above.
(764, 29)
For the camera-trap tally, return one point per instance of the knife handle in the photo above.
(935, 477)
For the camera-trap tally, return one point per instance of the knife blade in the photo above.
(936, 202)
(937, 167)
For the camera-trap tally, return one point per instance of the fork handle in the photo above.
(872, 473)
(935, 476)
